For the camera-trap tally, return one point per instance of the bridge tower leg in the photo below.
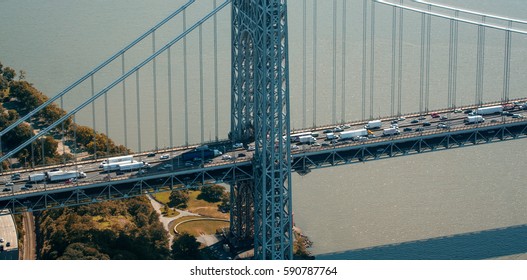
(260, 111)
(242, 211)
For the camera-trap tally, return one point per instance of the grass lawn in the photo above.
(196, 205)
(202, 227)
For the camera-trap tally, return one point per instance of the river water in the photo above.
(465, 203)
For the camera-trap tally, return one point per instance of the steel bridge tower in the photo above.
(260, 112)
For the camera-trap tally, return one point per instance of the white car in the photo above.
(226, 157)
(165, 156)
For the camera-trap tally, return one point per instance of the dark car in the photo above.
(414, 121)
(241, 155)
(6, 190)
(407, 129)
(419, 129)
(505, 113)
(468, 111)
(426, 124)
(29, 185)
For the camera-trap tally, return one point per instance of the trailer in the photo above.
(133, 166)
(373, 124)
(489, 110)
(37, 177)
(307, 139)
(390, 131)
(121, 159)
(353, 134)
(474, 119)
(108, 167)
(296, 137)
(64, 175)
(331, 136)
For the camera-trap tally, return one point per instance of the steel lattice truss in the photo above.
(260, 105)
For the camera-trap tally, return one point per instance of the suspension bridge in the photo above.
(181, 83)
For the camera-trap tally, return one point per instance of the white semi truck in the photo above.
(121, 159)
(373, 124)
(351, 134)
(474, 119)
(489, 110)
(37, 177)
(60, 175)
(133, 166)
(307, 139)
(390, 131)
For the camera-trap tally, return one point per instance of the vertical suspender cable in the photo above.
(422, 64)
(454, 60)
(154, 77)
(334, 101)
(450, 63)
(427, 79)
(200, 47)
(138, 112)
(394, 35)
(480, 64)
(170, 116)
(343, 101)
(92, 82)
(304, 58)
(314, 63)
(185, 83)
(216, 107)
(106, 124)
(364, 28)
(62, 133)
(400, 70)
(507, 64)
(124, 103)
(372, 58)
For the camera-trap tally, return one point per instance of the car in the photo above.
(421, 118)
(294, 147)
(407, 129)
(54, 169)
(443, 118)
(337, 129)
(9, 184)
(167, 166)
(316, 144)
(493, 121)
(23, 188)
(328, 131)
(8, 244)
(426, 124)
(241, 155)
(15, 176)
(435, 115)
(442, 125)
(325, 144)
(165, 156)
(2, 240)
(505, 113)
(251, 148)
(226, 157)
(458, 110)
(419, 129)
(467, 111)
(237, 145)
(6, 189)
(346, 126)
(151, 155)
(29, 185)
(414, 121)
(116, 173)
(394, 121)
(517, 116)
(401, 119)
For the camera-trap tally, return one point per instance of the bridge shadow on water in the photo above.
(468, 246)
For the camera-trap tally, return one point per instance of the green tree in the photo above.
(82, 251)
(9, 73)
(185, 247)
(178, 198)
(211, 193)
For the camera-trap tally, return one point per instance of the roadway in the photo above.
(412, 124)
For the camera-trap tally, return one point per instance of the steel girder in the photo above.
(242, 212)
(342, 154)
(260, 105)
